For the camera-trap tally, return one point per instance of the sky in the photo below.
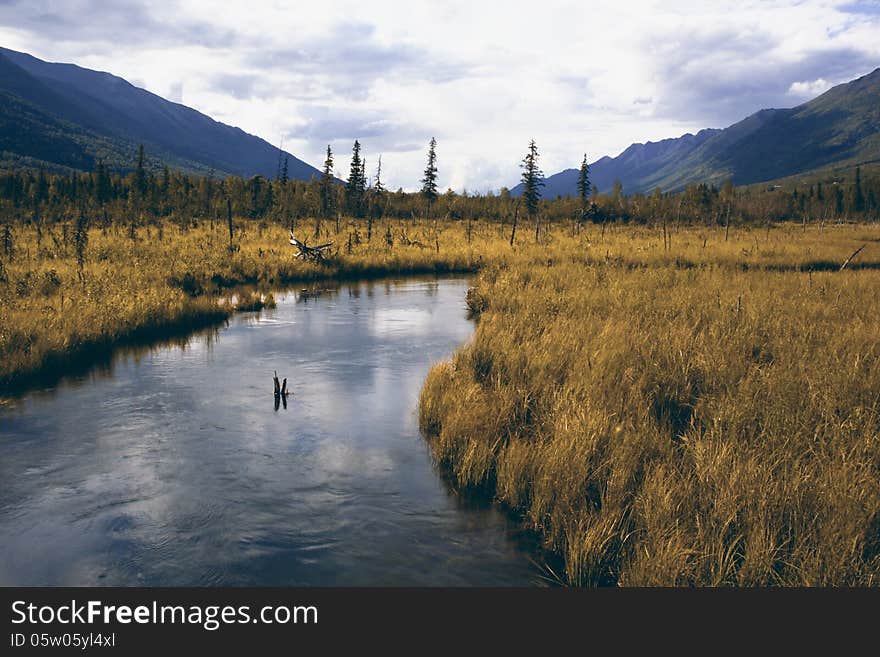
(482, 77)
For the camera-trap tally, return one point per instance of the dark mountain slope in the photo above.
(108, 106)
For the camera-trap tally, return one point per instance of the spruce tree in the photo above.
(376, 205)
(229, 223)
(256, 193)
(103, 184)
(583, 182)
(140, 173)
(858, 194)
(81, 239)
(8, 244)
(42, 193)
(532, 179)
(429, 182)
(328, 195)
(378, 186)
(356, 185)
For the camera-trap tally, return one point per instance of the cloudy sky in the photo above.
(482, 77)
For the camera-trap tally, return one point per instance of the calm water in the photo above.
(172, 466)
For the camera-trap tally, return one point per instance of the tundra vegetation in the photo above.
(709, 416)
(676, 389)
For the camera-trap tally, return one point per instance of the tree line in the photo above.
(148, 193)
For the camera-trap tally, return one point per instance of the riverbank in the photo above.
(715, 423)
(135, 284)
(131, 286)
(685, 406)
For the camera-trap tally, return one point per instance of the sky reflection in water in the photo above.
(172, 467)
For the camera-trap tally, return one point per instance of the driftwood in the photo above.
(855, 253)
(280, 388)
(314, 253)
(281, 391)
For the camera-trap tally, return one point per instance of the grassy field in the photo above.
(680, 407)
(705, 414)
(161, 280)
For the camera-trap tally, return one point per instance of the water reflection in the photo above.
(166, 467)
(279, 400)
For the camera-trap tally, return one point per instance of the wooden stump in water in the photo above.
(281, 391)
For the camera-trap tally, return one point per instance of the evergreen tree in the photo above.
(284, 172)
(858, 194)
(377, 200)
(42, 193)
(532, 179)
(8, 244)
(328, 194)
(363, 183)
(81, 239)
(256, 195)
(140, 173)
(583, 182)
(166, 180)
(429, 182)
(378, 186)
(103, 184)
(356, 185)
(229, 223)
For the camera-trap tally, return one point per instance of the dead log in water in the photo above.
(280, 386)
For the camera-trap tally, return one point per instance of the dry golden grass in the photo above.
(697, 413)
(700, 415)
(169, 279)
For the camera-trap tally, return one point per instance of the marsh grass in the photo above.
(705, 416)
(688, 408)
(132, 282)
(59, 303)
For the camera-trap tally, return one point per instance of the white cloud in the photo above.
(484, 78)
(809, 89)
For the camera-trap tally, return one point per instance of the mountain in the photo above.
(840, 127)
(63, 115)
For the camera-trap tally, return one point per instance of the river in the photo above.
(172, 466)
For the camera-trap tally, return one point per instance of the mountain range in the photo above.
(841, 127)
(63, 116)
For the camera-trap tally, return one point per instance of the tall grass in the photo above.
(700, 415)
(693, 408)
(61, 303)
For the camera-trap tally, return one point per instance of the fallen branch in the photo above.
(855, 253)
(306, 252)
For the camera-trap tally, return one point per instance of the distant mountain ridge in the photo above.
(69, 116)
(842, 126)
